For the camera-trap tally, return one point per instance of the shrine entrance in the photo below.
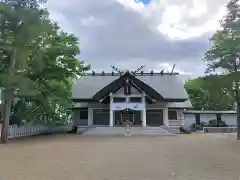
(128, 114)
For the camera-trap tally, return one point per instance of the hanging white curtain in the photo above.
(122, 106)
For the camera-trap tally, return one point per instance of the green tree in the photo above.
(19, 27)
(37, 64)
(224, 53)
(54, 79)
(209, 94)
(198, 96)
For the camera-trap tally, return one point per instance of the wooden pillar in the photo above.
(111, 118)
(165, 116)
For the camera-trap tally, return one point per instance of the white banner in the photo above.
(122, 106)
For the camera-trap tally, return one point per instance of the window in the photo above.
(119, 99)
(172, 115)
(84, 113)
(135, 99)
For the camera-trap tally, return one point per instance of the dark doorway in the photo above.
(219, 119)
(154, 117)
(127, 114)
(197, 119)
(101, 117)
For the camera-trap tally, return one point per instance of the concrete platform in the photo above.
(120, 131)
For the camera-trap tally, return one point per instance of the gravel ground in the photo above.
(72, 157)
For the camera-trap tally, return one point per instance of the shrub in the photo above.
(222, 124)
(215, 123)
(196, 127)
(212, 123)
(203, 124)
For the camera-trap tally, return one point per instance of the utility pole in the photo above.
(238, 116)
(236, 86)
(237, 89)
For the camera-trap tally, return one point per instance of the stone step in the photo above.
(174, 123)
(173, 129)
(146, 131)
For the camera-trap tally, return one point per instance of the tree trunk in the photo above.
(237, 98)
(238, 118)
(7, 102)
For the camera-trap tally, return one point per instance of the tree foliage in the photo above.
(54, 77)
(208, 93)
(224, 54)
(225, 50)
(38, 63)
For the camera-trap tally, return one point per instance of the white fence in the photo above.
(32, 129)
(229, 119)
(220, 129)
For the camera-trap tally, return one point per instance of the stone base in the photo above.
(134, 131)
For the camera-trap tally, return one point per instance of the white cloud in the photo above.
(174, 19)
(91, 21)
(175, 27)
(129, 34)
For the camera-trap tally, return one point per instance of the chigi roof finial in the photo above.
(139, 69)
(116, 69)
(127, 70)
(173, 68)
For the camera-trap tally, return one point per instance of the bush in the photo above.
(215, 123)
(222, 124)
(203, 124)
(212, 123)
(196, 127)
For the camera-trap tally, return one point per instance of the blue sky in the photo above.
(145, 2)
(128, 34)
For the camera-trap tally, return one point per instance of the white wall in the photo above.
(75, 116)
(77, 120)
(189, 119)
(207, 117)
(90, 106)
(230, 119)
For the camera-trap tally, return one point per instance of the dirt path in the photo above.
(185, 157)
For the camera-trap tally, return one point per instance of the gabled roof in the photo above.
(120, 82)
(88, 85)
(168, 86)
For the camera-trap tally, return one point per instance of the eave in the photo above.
(118, 83)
